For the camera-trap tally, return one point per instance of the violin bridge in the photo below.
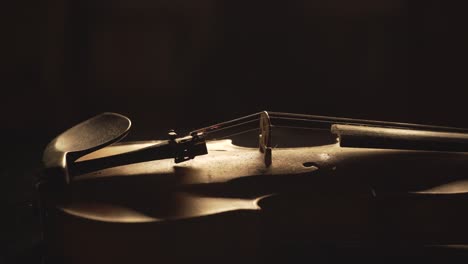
(265, 137)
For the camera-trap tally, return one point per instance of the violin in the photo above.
(247, 189)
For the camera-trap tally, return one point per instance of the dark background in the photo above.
(187, 64)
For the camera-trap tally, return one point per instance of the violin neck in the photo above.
(398, 138)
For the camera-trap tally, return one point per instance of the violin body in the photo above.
(370, 189)
(229, 207)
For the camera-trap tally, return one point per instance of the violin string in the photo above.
(222, 126)
(302, 120)
(299, 127)
(228, 127)
(316, 120)
(217, 126)
(234, 134)
(273, 126)
(342, 120)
